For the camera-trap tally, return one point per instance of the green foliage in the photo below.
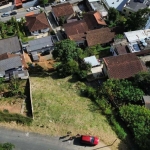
(113, 14)
(44, 1)
(70, 58)
(65, 50)
(62, 20)
(142, 80)
(121, 91)
(107, 110)
(119, 36)
(138, 19)
(7, 146)
(7, 117)
(137, 119)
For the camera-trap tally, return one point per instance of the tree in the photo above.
(66, 50)
(138, 19)
(121, 92)
(113, 14)
(44, 2)
(7, 146)
(137, 119)
(142, 80)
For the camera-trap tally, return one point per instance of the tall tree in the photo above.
(66, 50)
(138, 19)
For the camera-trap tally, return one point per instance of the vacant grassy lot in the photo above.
(58, 108)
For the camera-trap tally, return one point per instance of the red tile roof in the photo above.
(75, 27)
(77, 37)
(37, 22)
(99, 36)
(123, 66)
(94, 19)
(62, 10)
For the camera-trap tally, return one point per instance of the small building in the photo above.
(96, 69)
(146, 100)
(64, 11)
(37, 23)
(35, 56)
(10, 63)
(4, 2)
(122, 66)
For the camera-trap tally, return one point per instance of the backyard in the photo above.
(59, 108)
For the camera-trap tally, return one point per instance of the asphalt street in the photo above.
(34, 141)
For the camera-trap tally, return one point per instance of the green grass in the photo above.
(57, 106)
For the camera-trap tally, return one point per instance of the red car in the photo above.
(90, 140)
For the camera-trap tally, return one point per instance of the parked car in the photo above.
(31, 8)
(28, 10)
(5, 14)
(35, 8)
(47, 52)
(13, 13)
(90, 140)
(38, 7)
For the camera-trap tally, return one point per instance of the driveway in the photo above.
(33, 141)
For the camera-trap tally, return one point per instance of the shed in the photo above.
(92, 60)
(146, 101)
(35, 56)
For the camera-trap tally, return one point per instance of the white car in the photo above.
(31, 8)
(38, 7)
(28, 10)
(35, 8)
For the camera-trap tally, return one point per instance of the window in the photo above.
(130, 12)
(92, 139)
(124, 10)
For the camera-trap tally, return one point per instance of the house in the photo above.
(62, 11)
(101, 36)
(132, 6)
(122, 66)
(138, 41)
(146, 100)
(76, 29)
(11, 45)
(37, 24)
(96, 67)
(94, 20)
(9, 63)
(41, 44)
(98, 5)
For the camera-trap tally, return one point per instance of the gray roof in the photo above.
(147, 101)
(40, 43)
(135, 6)
(10, 63)
(20, 74)
(92, 60)
(11, 44)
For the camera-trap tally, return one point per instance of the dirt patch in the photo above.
(12, 107)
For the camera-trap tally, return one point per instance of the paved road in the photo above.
(33, 141)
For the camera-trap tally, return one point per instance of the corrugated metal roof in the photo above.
(40, 43)
(10, 63)
(10, 45)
